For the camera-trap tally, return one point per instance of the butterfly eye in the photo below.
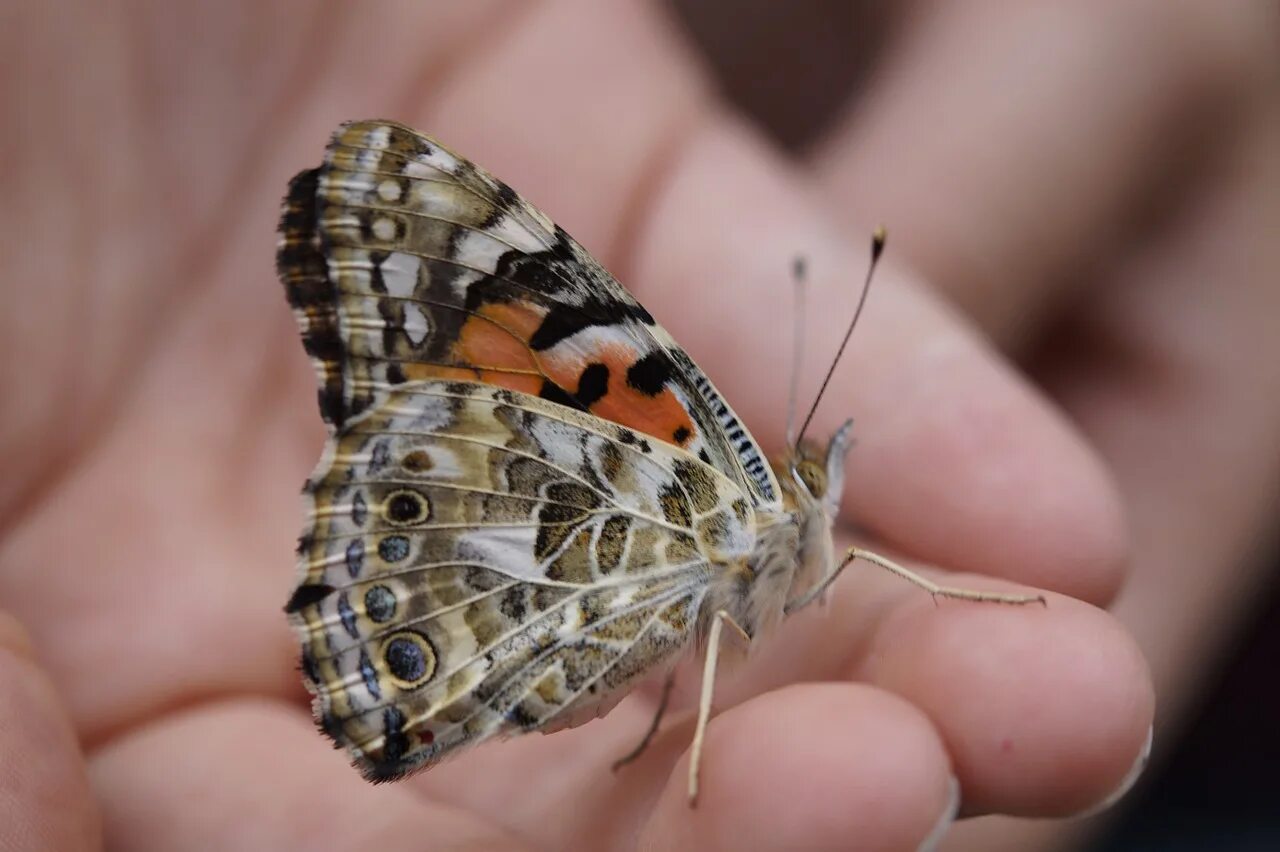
(405, 507)
(410, 658)
(813, 477)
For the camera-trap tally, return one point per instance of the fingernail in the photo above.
(943, 825)
(1126, 783)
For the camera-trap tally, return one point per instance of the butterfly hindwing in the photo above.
(406, 262)
(481, 561)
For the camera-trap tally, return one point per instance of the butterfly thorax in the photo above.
(793, 549)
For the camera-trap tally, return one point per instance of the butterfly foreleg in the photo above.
(936, 590)
(718, 621)
(649, 734)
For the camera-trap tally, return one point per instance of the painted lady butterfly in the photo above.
(531, 496)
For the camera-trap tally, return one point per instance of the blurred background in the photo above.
(1214, 781)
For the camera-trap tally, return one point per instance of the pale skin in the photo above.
(159, 418)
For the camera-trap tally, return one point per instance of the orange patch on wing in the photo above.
(418, 372)
(661, 415)
(524, 383)
(498, 335)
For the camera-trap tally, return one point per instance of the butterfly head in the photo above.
(814, 475)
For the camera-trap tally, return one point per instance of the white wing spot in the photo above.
(400, 274)
(384, 228)
(389, 190)
(378, 137)
(418, 169)
(415, 323)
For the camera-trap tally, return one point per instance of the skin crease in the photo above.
(172, 420)
(43, 771)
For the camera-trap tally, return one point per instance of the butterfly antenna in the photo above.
(877, 249)
(799, 271)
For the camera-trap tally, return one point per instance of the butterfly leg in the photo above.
(667, 685)
(720, 619)
(934, 589)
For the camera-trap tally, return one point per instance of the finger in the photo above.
(252, 775)
(593, 169)
(1203, 526)
(810, 767)
(1186, 367)
(957, 460)
(1009, 145)
(45, 800)
(1044, 710)
(878, 753)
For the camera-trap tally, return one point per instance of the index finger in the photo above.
(959, 461)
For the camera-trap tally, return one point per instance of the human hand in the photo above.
(156, 452)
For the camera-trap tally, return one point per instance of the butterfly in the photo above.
(530, 497)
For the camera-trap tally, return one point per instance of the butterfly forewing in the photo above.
(406, 262)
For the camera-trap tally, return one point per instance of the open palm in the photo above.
(161, 418)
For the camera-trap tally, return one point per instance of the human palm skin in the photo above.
(160, 417)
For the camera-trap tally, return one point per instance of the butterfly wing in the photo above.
(480, 561)
(405, 262)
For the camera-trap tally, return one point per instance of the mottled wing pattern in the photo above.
(480, 561)
(404, 262)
